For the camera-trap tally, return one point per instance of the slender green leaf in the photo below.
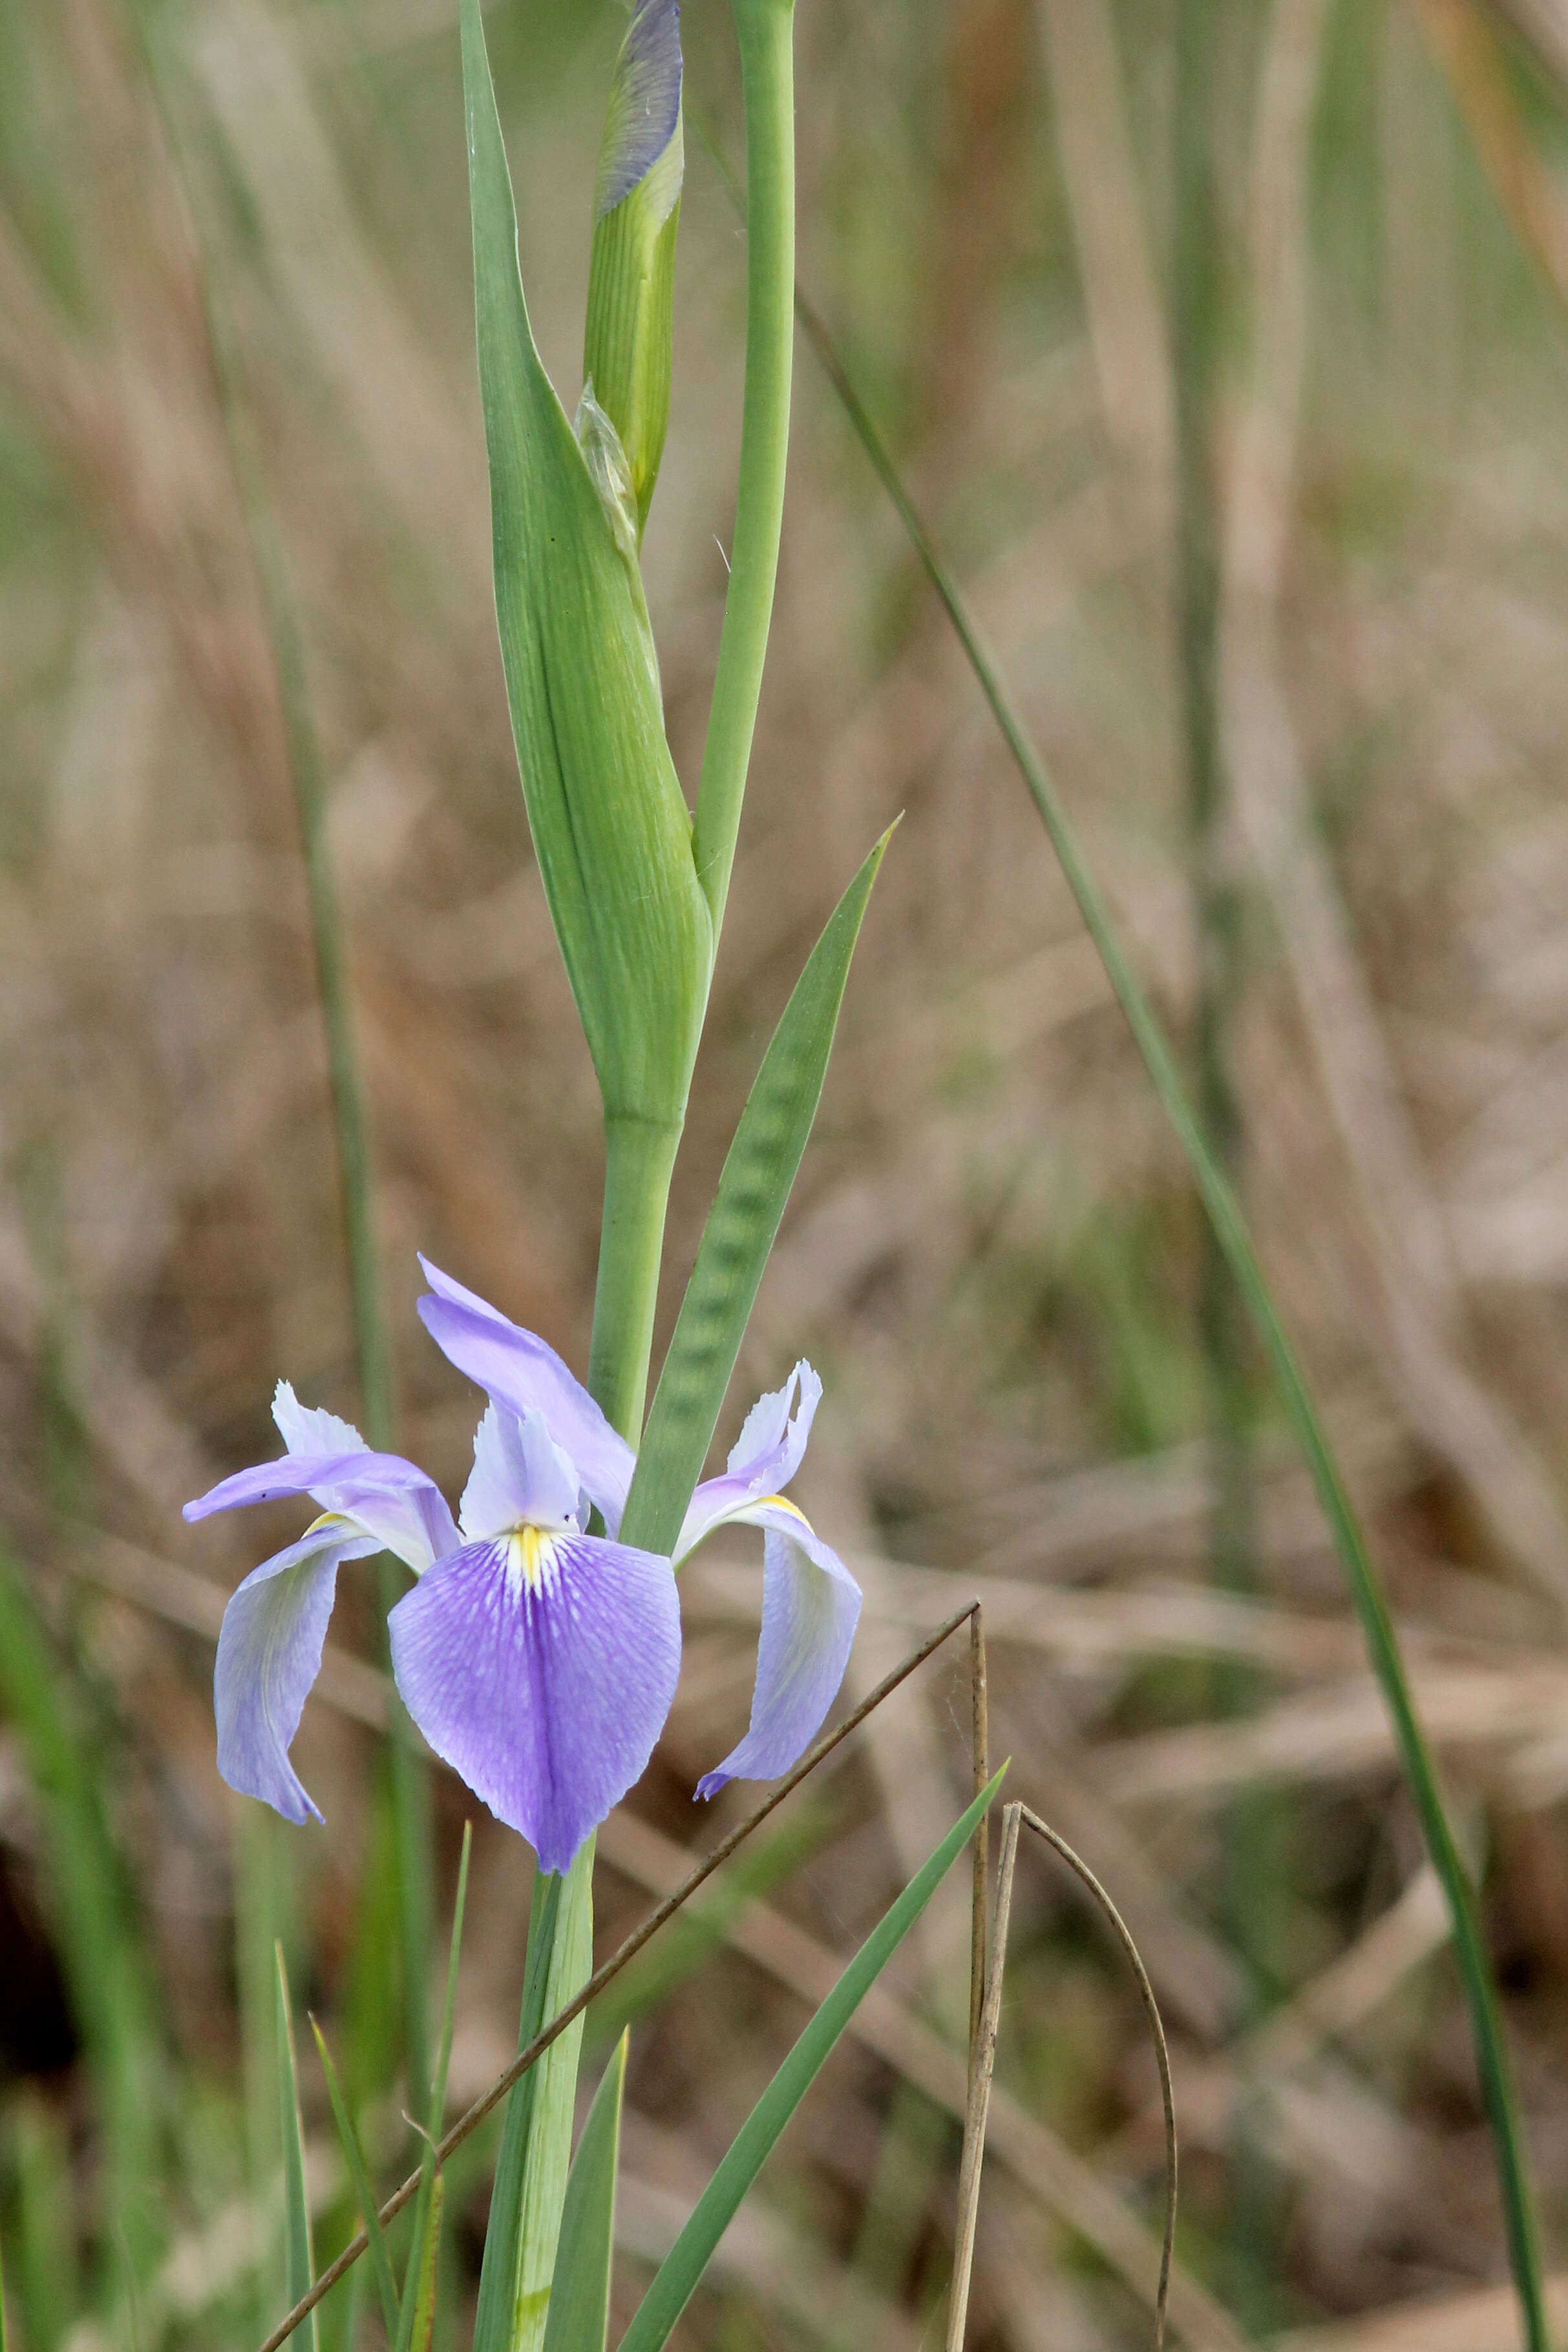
(423, 2304)
(579, 2315)
(503, 2255)
(63, 1738)
(302, 2267)
(683, 2266)
(610, 825)
(428, 2205)
(5, 2339)
(353, 2157)
(1234, 1238)
(752, 1190)
(554, 2109)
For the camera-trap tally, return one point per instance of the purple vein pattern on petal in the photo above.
(268, 1654)
(518, 1372)
(762, 1460)
(546, 1695)
(645, 102)
(811, 1605)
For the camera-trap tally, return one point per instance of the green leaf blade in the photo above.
(353, 2157)
(299, 2255)
(679, 2273)
(753, 1191)
(579, 2315)
(503, 2255)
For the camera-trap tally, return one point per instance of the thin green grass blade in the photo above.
(1235, 1239)
(428, 2205)
(579, 2314)
(4, 2338)
(678, 2275)
(752, 1190)
(450, 2006)
(300, 2260)
(423, 2306)
(353, 2157)
(93, 1916)
(498, 2272)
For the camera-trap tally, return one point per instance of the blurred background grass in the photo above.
(233, 257)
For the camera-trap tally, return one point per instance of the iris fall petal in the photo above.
(268, 1654)
(542, 1671)
(811, 1605)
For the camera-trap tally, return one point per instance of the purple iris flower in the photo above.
(540, 1661)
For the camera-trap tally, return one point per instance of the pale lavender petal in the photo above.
(414, 1521)
(268, 1654)
(547, 1696)
(392, 1499)
(519, 1373)
(307, 1429)
(519, 1474)
(811, 1605)
(644, 102)
(762, 1460)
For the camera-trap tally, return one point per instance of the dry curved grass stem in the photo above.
(1014, 1817)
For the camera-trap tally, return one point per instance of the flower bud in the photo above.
(631, 277)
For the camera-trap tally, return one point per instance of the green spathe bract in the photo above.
(610, 826)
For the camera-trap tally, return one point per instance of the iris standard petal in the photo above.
(308, 1429)
(518, 1372)
(268, 1654)
(392, 1499)
(519, 1474)
(762, 1460)
(811, 1605)
(542, 1670)
(644, 102)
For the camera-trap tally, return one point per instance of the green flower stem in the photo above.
(767, 78)
(639, 1160)
(1235, 1240)
(641, 1154)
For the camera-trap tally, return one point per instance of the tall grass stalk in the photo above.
(1234, 1238)
(407, 1779)
(1202, 307)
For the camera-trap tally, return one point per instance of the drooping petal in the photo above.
(519, 1474)
(392, 1499)
(546, 1690)
(519, 1373)
(811, 1605)
(762, 1460)
(268, 1654)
